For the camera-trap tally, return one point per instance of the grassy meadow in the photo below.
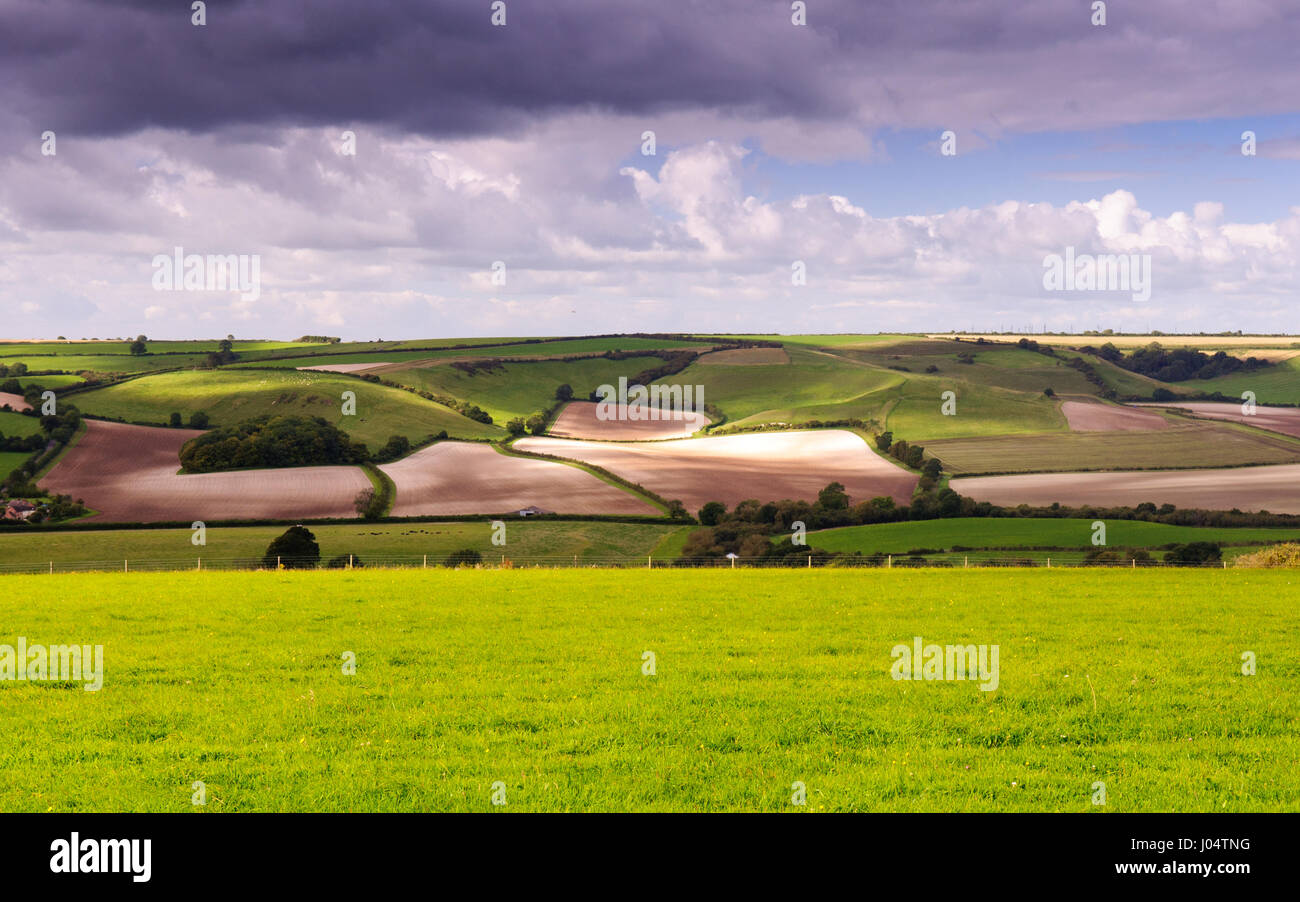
(1196, 444)
(534, 680)
(1016, 533)
(522, 388)
(558, 542)
(232, 396)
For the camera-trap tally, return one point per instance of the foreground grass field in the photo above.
(534, 681)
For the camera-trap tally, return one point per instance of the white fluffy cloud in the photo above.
(399, 240)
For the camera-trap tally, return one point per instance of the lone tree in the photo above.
(198, 420)
(296, 549)
(564, 392)
(138, 346)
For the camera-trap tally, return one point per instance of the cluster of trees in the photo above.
(13, 369)
(224, 354)
(1192, 553)
(56, 431)
(1177, 364)
(22, 443)
(272, 441)
(198, 420)
(913, 456)
(318, 339)
(747, 529)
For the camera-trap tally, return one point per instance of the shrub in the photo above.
(466, 557)
(343, 561)
(1194, 553)
(1284, 555)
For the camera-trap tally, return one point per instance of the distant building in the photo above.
(532, 511)
(19, 509)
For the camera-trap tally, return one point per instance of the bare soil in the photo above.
(579, 420)
(474, 478)
(14, 401)
(1285, 420)
(1271, 488)
(130, 474)
(1087, 416)
(769, 466)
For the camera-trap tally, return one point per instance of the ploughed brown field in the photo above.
(14, 401)
(473, 478)
(769, 466)
(1275, 419)
(1088, 416)
(130, 474)
(1272, 488)
(579, 420)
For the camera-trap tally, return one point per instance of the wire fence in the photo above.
(555, 562)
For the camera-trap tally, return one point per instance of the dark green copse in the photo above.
(271, 441)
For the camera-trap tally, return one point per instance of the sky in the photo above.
(413, 169)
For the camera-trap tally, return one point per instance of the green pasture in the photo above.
(231, 396)
(537, 686)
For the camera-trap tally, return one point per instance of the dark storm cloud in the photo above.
(441, 68)
(433, 68)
